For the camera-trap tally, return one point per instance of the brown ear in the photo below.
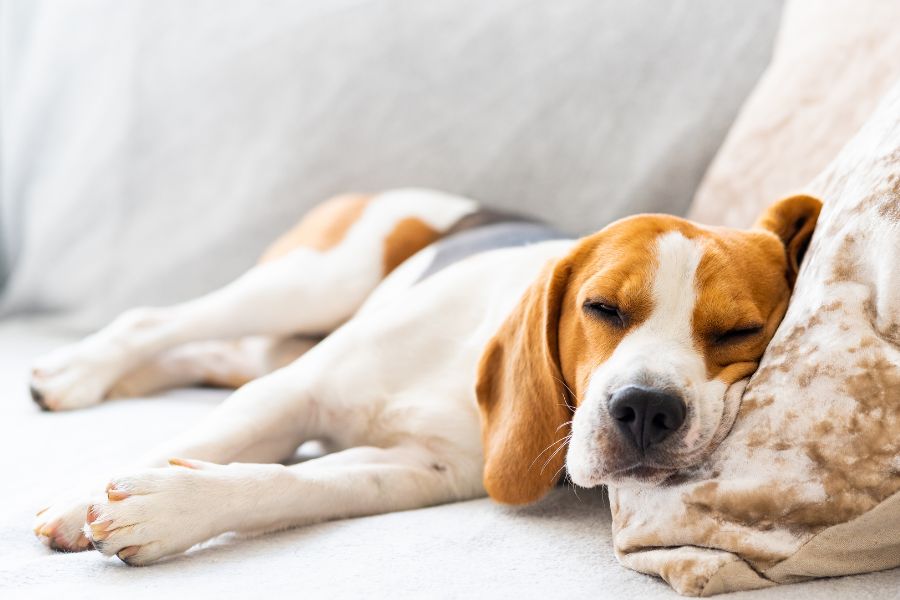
(793, 220)
(524, 410)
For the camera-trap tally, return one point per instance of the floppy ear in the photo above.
(793, 220)
(524, 409)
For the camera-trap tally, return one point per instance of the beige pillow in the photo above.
(806, 483)
(834, 60)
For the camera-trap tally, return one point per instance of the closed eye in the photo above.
(605, 311)
(739, 334)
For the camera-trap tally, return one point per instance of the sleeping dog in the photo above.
(462, 351)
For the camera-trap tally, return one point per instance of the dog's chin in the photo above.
(633, 476)
(638, 476)
(643, 475)
(623, 467)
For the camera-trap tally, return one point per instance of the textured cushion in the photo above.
(806, 483)
(151, 149)
(834, 61)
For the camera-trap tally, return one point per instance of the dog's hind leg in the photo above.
(228, 364)
(308, 283)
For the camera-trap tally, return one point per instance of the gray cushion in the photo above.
(152, 149)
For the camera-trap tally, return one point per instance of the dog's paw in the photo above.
(59, 526)
(66, 384)
(78, 375)
(154, 513)
(81, 374)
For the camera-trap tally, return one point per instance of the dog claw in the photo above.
(38, 398)
(128, 552)
(180, 462)
(99, 526)
(113, 494)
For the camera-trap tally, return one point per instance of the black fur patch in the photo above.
(487, 230)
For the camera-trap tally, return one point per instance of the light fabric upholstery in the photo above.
(806, 483)
(150, 149)
(834, 61)
(561, 546)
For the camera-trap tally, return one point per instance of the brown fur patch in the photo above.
(587, 340)
(746, 280)
(322, 228)
(408, 237)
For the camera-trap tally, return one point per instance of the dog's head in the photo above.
(634, 350)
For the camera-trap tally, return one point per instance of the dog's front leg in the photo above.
(264, 421)
(158, 512)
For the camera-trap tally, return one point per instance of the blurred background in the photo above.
(151, 149)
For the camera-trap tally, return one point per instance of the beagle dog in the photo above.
(440, 352)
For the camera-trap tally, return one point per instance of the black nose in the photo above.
(646, 416)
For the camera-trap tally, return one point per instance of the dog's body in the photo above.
(449, 369)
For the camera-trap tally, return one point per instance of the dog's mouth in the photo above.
(609, 459)
(622, 468)
(639, 475)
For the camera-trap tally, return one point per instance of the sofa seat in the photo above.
(560, 545)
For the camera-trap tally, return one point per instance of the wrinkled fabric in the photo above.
(806, 483)
(834, 62)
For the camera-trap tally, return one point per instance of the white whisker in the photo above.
(567, 439)
(563, 425)
(545, 449)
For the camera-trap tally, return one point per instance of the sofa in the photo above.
(150, 150)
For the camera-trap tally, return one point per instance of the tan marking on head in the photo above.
(745, 281)
(322, 228)
(742, 297)
(408, 237)
(614, 267)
